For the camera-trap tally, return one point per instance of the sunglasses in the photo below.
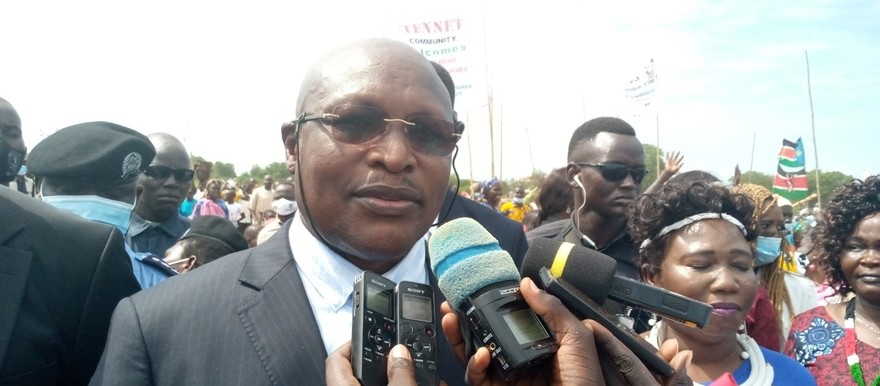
(617, 172)
(163, 172)
(356, 124)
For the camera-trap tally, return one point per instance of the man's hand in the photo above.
(578, 361)
(401, 372)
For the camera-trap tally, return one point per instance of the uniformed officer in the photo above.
(91, 169)
(208, 239)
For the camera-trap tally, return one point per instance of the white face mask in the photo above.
(519, 200)
(95, 208)
(283, 206)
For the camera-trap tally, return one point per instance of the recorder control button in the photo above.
(389, 326)
(370, 320)
(406, 329)
(429, 332)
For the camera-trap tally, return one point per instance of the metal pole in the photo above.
(657, 127)
(813, 126)
(752, 161)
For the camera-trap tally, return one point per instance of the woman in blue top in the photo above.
(698, 240)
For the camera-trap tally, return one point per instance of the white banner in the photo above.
(640, 88)
(454, 42)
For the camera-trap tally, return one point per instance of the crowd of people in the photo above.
(133, 266)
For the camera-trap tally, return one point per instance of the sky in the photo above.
(222, 76)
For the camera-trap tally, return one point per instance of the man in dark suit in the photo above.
(60, 278)
(371, 150)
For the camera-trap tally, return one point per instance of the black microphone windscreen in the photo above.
(589, 271)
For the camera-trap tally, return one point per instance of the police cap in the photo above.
(218, 229)
(98, 152)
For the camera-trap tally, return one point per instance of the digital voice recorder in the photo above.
(417, 328)
(373, 328)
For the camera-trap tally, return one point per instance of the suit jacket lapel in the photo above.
(279, 318)
(15, 264)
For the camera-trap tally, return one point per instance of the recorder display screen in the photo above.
(417, 308)
(379, 300)
(525, 326)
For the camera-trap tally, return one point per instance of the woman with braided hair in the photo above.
(840, 343)
(789, 293)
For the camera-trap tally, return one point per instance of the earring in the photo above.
(567, 210)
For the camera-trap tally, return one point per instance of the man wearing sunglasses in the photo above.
(156, 224)
(371, 149)
(606, 166)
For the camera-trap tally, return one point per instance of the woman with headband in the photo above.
(839, 342)
(696, 240)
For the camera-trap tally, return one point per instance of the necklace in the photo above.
(762, 372)
(861, 320)
(852, 357)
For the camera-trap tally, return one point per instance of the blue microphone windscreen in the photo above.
(466, 258)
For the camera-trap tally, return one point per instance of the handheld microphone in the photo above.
(480, 281)
(592, 273)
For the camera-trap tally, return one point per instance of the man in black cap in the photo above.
(91, 169)
(156, 224)
(208, 239)
(61, 278)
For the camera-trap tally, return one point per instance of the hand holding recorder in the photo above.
(588, 353)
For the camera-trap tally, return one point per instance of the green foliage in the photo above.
(278, 171)
(757, 178)
(223, 170)
(829, 183)
(651, 164)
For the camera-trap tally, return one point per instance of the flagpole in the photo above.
(752, 161)
(813, 126)
(657, 128)
(501, 142)
(489, 88)
(467, 122)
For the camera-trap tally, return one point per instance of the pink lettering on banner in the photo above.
(433, 26)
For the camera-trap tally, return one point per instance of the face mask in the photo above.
(768, 249)
(10, 161)
(94, 208)
(519, 200)
(283, 206)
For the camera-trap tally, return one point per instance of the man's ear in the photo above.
(291, 162)
(190, 264)
(572, 170)
(648, 274)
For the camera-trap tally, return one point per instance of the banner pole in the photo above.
(813, 126)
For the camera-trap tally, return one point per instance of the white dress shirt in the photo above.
(329, 280)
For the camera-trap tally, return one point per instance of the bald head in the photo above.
(169, 147)
(361, 60)
(13, 148)
(163, 192)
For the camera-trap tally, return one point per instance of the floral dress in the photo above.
(816, 341)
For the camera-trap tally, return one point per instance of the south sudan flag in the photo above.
(791, 175)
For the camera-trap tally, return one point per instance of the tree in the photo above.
(223, 170)
(829, 183)
(651, 164)
(278, 171)
(757, 178)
